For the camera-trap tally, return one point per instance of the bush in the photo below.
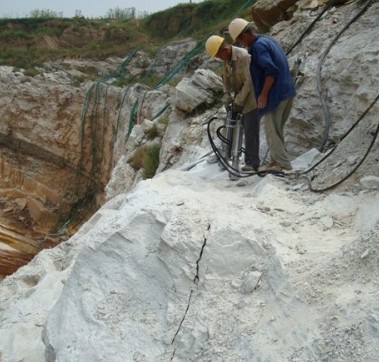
(163, 120)
(31, 72)
(147, 158)
(45, 14)
(136, 160)
(21, 45)
(152, 132)
(15, 34)
(151, 161)
(121, 14)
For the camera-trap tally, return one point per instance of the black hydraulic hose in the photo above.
(327, 155)
(319, 67)
(310, 26)
(221, 136)
(225, 140)
(354, 169)
(217, 152)
(224, 162)
(344, 136)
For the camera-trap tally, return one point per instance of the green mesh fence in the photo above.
(97, 92)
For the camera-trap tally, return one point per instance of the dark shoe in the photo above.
(275, 166)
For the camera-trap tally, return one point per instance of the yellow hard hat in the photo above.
(236, 27)
(213, 44)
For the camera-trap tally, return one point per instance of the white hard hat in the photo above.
(236, 27)
(213, 44)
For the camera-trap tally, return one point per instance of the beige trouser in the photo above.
(274, 122)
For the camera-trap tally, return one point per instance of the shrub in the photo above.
(136, 160)
(147, 158)
(152, 132)
(163, 120)
(151, 80)
(151, 161)
(123, 82)
(121, 14)
(15, 34)
(31, 72)
(38, 13)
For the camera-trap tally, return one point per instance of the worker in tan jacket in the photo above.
(239, 93)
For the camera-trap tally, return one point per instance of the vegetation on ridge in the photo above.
(28, 42)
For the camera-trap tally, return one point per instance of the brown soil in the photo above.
(11, 260)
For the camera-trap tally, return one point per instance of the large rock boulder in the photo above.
(267, 13)
(201, 89)
(347, 81)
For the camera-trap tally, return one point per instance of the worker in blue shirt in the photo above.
(274, 87)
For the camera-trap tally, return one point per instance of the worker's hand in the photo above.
(262, 101)
(237, 108)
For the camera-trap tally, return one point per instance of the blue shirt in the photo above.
(268, 58)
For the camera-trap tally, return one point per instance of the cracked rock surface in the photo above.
(190, 266)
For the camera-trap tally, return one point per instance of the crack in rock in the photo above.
(196, 281)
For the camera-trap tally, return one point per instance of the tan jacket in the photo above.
(238, 86)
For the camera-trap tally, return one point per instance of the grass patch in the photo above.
(151, 80)
(151, 161)
(9, 35)
(163, 120)
(91, 72)
(152, 132)
(147, 158)
(31, 72)
(45, 14)
(78, 80)
(115, 35)
(123, 82)
(136, 160)
(193, 19)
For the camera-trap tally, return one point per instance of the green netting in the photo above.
(132, 118)
(182, 63)
(161, 110)
(95, 94)
(244, 6)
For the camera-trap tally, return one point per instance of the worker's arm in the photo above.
(227, 99)
(247, 90)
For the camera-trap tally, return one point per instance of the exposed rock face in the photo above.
(169, 268)
(188, 266)
(68, 138)
(39, 119)
(267, 13)
(60, 140)
(200, 89)
(49, 142)
(346, 80)
(348, 74)
(171, 54)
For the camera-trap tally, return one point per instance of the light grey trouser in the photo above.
(274, 122)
